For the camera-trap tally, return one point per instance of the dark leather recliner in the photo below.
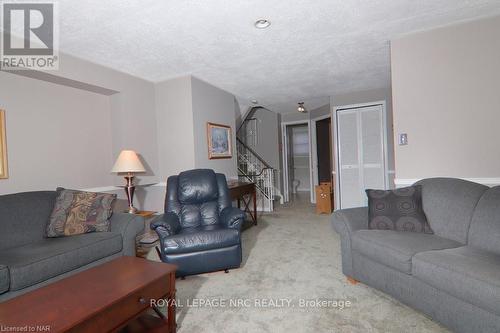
(199, 231)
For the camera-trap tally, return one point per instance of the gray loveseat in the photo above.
(452, 276)
(28, 260)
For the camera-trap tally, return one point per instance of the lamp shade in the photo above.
(128, 161)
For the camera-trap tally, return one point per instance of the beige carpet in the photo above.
(291, 256)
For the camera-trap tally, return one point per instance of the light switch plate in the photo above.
(403, 139)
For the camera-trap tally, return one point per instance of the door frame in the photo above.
(284, 142)
(336, 143)
(314, 151)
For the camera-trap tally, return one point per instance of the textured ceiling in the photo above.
(313, 49)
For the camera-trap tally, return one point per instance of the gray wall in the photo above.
(446, 98)
(66, 128)
(73, 103)
(324, 110)
(56, 136)
(211, 104)
(294, 116)
(132, 106)
(133, 120)
(183, 107)
(174, 116)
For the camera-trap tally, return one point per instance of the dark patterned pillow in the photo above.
(399, 210)
(77, 212)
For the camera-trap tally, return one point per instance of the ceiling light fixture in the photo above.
(301, 108)
(262, 24)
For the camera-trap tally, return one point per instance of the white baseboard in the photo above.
(399, 182)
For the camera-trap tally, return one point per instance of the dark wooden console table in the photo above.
(246, 192)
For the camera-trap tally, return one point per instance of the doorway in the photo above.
(296, 159)
(322, 151)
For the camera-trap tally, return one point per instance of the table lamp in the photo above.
(128, 162)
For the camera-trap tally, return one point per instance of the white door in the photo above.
(361, 151)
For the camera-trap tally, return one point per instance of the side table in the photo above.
(246, 192)
(146, 213)
(148, 240)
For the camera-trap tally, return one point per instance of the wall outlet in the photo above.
(403, 139)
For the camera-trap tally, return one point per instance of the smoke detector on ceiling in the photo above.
(262, 24)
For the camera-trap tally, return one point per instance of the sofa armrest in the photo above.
(166, 224)
(130, 226)
(345, 222)
(350, 220)
(232, 217)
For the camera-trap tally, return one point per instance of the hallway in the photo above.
(300, 201)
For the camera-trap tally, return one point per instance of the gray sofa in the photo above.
(28, 260)
(453, 276)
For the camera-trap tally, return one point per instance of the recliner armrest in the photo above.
(232, 217)
(166, 224)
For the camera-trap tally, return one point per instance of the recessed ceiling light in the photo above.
(254, 101)
(262, 24)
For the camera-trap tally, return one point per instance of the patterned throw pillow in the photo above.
(77, 212)
(399, 210)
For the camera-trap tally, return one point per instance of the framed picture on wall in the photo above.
(3, 147)
(219, 141)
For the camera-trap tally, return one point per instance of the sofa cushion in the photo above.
(484, 232)
(200, 239)
(4, 279)
(468, 274)
(399, 209)
(394, 248)
(449, 204)
(78, 212)
(36, 262)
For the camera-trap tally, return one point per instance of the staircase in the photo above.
(253, 168)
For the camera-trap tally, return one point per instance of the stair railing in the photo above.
(252, 167)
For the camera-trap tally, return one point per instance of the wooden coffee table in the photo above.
(115, 296)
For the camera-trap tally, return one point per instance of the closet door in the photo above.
(349, 170)
(373, 152)
(361, 150)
